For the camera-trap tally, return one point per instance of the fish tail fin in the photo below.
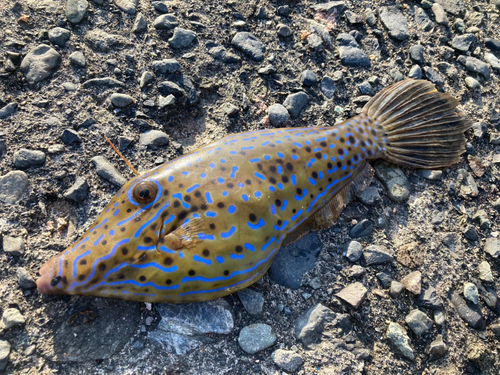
(424, 128)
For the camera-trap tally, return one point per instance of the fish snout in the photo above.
(44, 282)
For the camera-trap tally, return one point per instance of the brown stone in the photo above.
(411, 255)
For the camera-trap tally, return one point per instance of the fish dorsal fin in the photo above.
(185, 236)
(327, 215)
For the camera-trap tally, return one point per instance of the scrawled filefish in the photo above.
(211, 222)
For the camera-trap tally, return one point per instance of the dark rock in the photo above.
(492, 44)
(362, 229)
(40, 63)
(284, 31)
(160, 6)
(417, 53)
(418, 322)
(395, 22)
(12, 187)
(366, 89)
(385, 278)
(70, 137)
(252, 301)
(463, 42)
(59, 36)
(76, 10)
(170, 88)
(433, 76)
(375, 254)
(78, 191)
(249, 44)
(429, 298)
(182, 38)
(437, 347)
(278, 115)
(294, 260)
(328, 87)
(8, 110)
(347, 40)
(295, 103)
(25, 279)
(107, 171)
(166, 66)
(165, 22)
(127, 6)
(24, 158)
(423, 21)
(400, 339)
(470, 313)
(308, 78)
(154, 139)
(140, 24)
(475, 65)
(353, 56)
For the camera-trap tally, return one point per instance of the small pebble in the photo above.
(492, 247)
(376, 254)
(121, 100)
(412, 282)
(418, 321)
(308, 78)
(354, 294)
(485, 273)
(400, 340)
(439, 317)
(396, 289)
(354, 251)
(287, 360)
(252, 301)
(284, 31)
(70, 137)
(12, 317)
(107, 171)
(25, 279)
(24, 158)
(256, 337)
(362, 229)
(471, 293)
(295, 103)
(437, 347)
(182, 38)
(471, 83)
(78, 191)
(328, 87)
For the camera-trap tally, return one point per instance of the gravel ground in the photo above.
(406, 282)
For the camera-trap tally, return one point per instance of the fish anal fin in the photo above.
(327, 215)
(185, 236)
(297, 233)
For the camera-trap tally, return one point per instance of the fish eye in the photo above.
(145, 191)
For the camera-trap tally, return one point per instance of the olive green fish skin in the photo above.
(218, 218)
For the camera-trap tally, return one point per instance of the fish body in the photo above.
(210, 223)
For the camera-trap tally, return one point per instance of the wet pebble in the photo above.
(256, 337)
(376, 254)
(394, 180)
(252, 301)
(24, 158)
(40, 63)
(470, 313)
(419, 322)
(400, 339)
(437, 347)
(78, 191)
(121, 100)
(287, 360)
(70, 137)
(182, 38)
(12, 317)
(12, 187)
(127, 6)
(249, 44)
(76, 10)
(429, 298)
(107, 171)
(492, 247)
(154, 139)
(4, 354)
(354, 294)
(278, 115)
(295, 103)
(395, 22)
(353, 251)
(25, 279)
(140, 24)
(308, 78)
(8, 110)
(485, 273)
(362, 229)
(353, 56)
(165, 22)
(463, 42)
(328, 87)
(413, 282)
(59, 36)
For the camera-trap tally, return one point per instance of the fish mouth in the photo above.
(45, 283)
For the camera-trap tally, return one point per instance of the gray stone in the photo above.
(447, 69)
(308, 78)
(396, 75)
(415, 72)
(294, 260)
(480, 217)
(278, 114)
(413, 282)
(459, 25)
(356, 271)
(463, 42)
(40, 63)
(4, 354)
(330, 7)
(418, 322)
(24, 158)
(268, 69)
(140, 24)
(229, 109)
(485, 273)
(353, 56)
(127, 6)
(70, 137)
(252, 301)
(101, 41)
(354, 294)
(492, 60)
(423, 21)
(347, 40)
(394, 180)
(287, 360)
(454, 7)
(171, 88)
(470, 313)
(431, 175)
(354, 250)
(13, 245)
(375, 254)
(395, 22)
(492, 44)
(107, 171)
(488, 295)
(437, 347)
(182, 38)
(370, 18)
(475, 65)
(284, 31)
(249, 44)
(12, 317)
(353, 18)
(59, 36)
(471, 293)
(396, 289)
(12, 187)
(492, 247)
(362, 229)
(256, 337)
(366, 89)
(25, 279)
(439, 317)
(8, 110)
(165, 22)
(433, 76)
(328, 87)
(121, 100)
(160, 6)
(186, 327)
(385, 278)
(400, 340)
(166, 66)
(295, 103)
(78, 191)
(106, 82)
(166, 101)
(429, 298)
(189, 89)
(154, 139)
(147, 78)
(370, 196)
(440, 14)
(417, 53)
(76, 10)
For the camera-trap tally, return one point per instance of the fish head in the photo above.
(113, 255)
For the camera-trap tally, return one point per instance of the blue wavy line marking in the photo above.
(79, 243)
(232, 152)
(248, 148)
(258, 175)
(236, 256)
(234, 140)
(266, 245)
(179, 197)
(166, 250)
(310, 163)
(97, 227)
(210, 214)
(172, 217)
(189, 190)
(260, 224)
(296, 215)
(233, 174)
(116, 212)
(264, 134)
(98, 240)
(228, 233)
(255, 160)
(249, 246)
(197, 258)
(105, 257)
(75, 262)
(132, 282)
(203, 236)
(273, 209)
(285, 202)
(146, 248)
(153, 219)
(326, 190)
(299, 198)
(276, 227)
(209, 197)
(321, 139)
(230, 276)
(219, 258)
(249, 139)
(297, 144)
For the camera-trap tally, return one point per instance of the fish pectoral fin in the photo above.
(185, 236)
(327, 215)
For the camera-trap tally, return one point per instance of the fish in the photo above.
(210, 223)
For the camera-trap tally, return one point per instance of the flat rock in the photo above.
(107, 171)
(354, 294)
(418, 322)
(376, 254)
(423, 21)
(8, 110)
(433, 76)
(106, 82)
(400, 340)
(362, 229)
(485, 273)
(154, 139)
(76, 10)
(249, 44)
(413, 282)
(13, 245)
(171, 88)
(492, 60)
(308, 78)
(440, 14)
(121, 100)
(40, 63)
(186, 327)
(470, 313)
(354, 251)
(295, 103)
(140, 24)
(328, 87)
(12, 317)
(12, 186)
(78, 58)
(454, 7)
(437, 347)
(429, 298)
(463, 42)
(395, 22)
(78, 191)
(165, 22)
(294, 260)
(127, 6)
(330, 6)
(25, 279)
(24, 158)
(256, 337)
(287, 359)
(59, 36)
(252, 301)
(492, 247)
(166, 66)
(394, 180)
(182, 38)
(101, 41)
(353, 56)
